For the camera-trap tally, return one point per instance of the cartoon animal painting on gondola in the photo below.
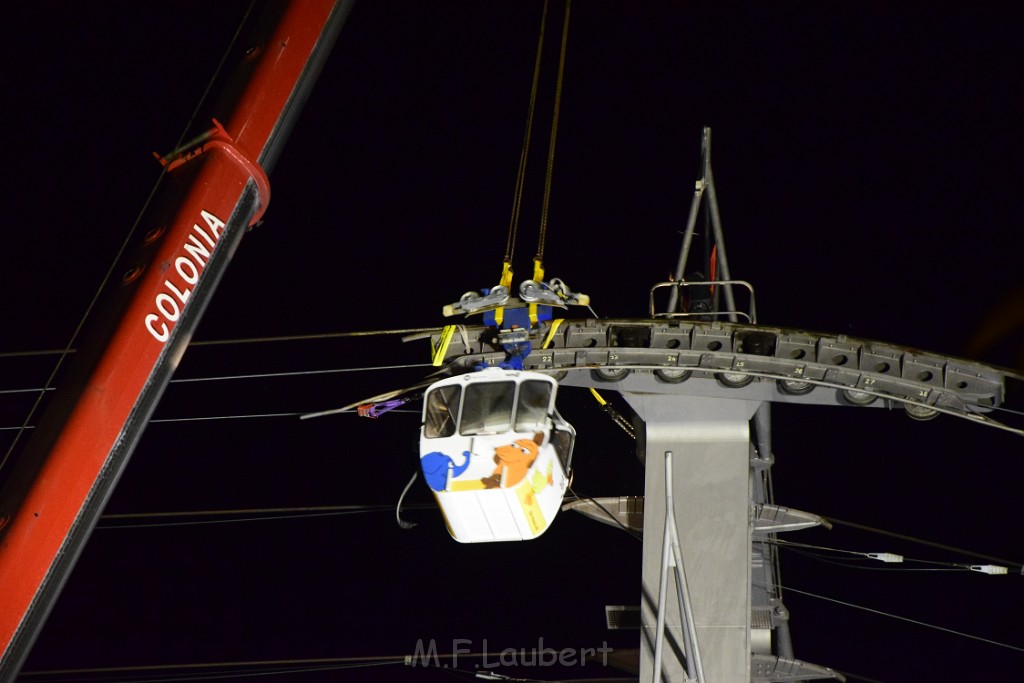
(496, 453)
(438, 467)
(513, 460)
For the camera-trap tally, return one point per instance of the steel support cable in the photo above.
(232, 516)
(211, 418)
(352, 411)
(348, 509)
(889, 558)
(913, 539)
(906, 619)
(517, 198)
(539, 258)
(249, 340)
(272, 665)
(259, 375)
(247, 416)
(293, 373)
(275, 513)
(299, 373)
(861, 563)
(121, 250)
(321, 335)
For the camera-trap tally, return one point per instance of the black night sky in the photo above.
(868, 166)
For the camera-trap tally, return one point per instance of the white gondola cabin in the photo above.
(495, 451)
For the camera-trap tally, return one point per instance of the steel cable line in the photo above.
(219, 378)
(129, 674)
(248, 416)
(248, 340)
(889, 558)
(793, 545)
(48, 386)
(219, 676)
(263, 415)
(850, 563)
(902, 618)
(513, 227)
(517, 197)
(921, 541)
(268, 667)
(256, 515)
(299, 373)
(554, 133)
(255, 375)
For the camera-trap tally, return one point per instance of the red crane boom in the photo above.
(211, 193)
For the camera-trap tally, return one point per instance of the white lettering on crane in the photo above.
(188, 266)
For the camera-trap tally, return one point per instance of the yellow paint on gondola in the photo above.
(528, 501)
(468, 485)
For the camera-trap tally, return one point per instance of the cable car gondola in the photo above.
(496, 453)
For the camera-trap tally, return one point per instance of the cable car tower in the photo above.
(701, 374)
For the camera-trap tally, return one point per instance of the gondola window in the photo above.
(534, 405)
(442, 412)
(487, 408)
